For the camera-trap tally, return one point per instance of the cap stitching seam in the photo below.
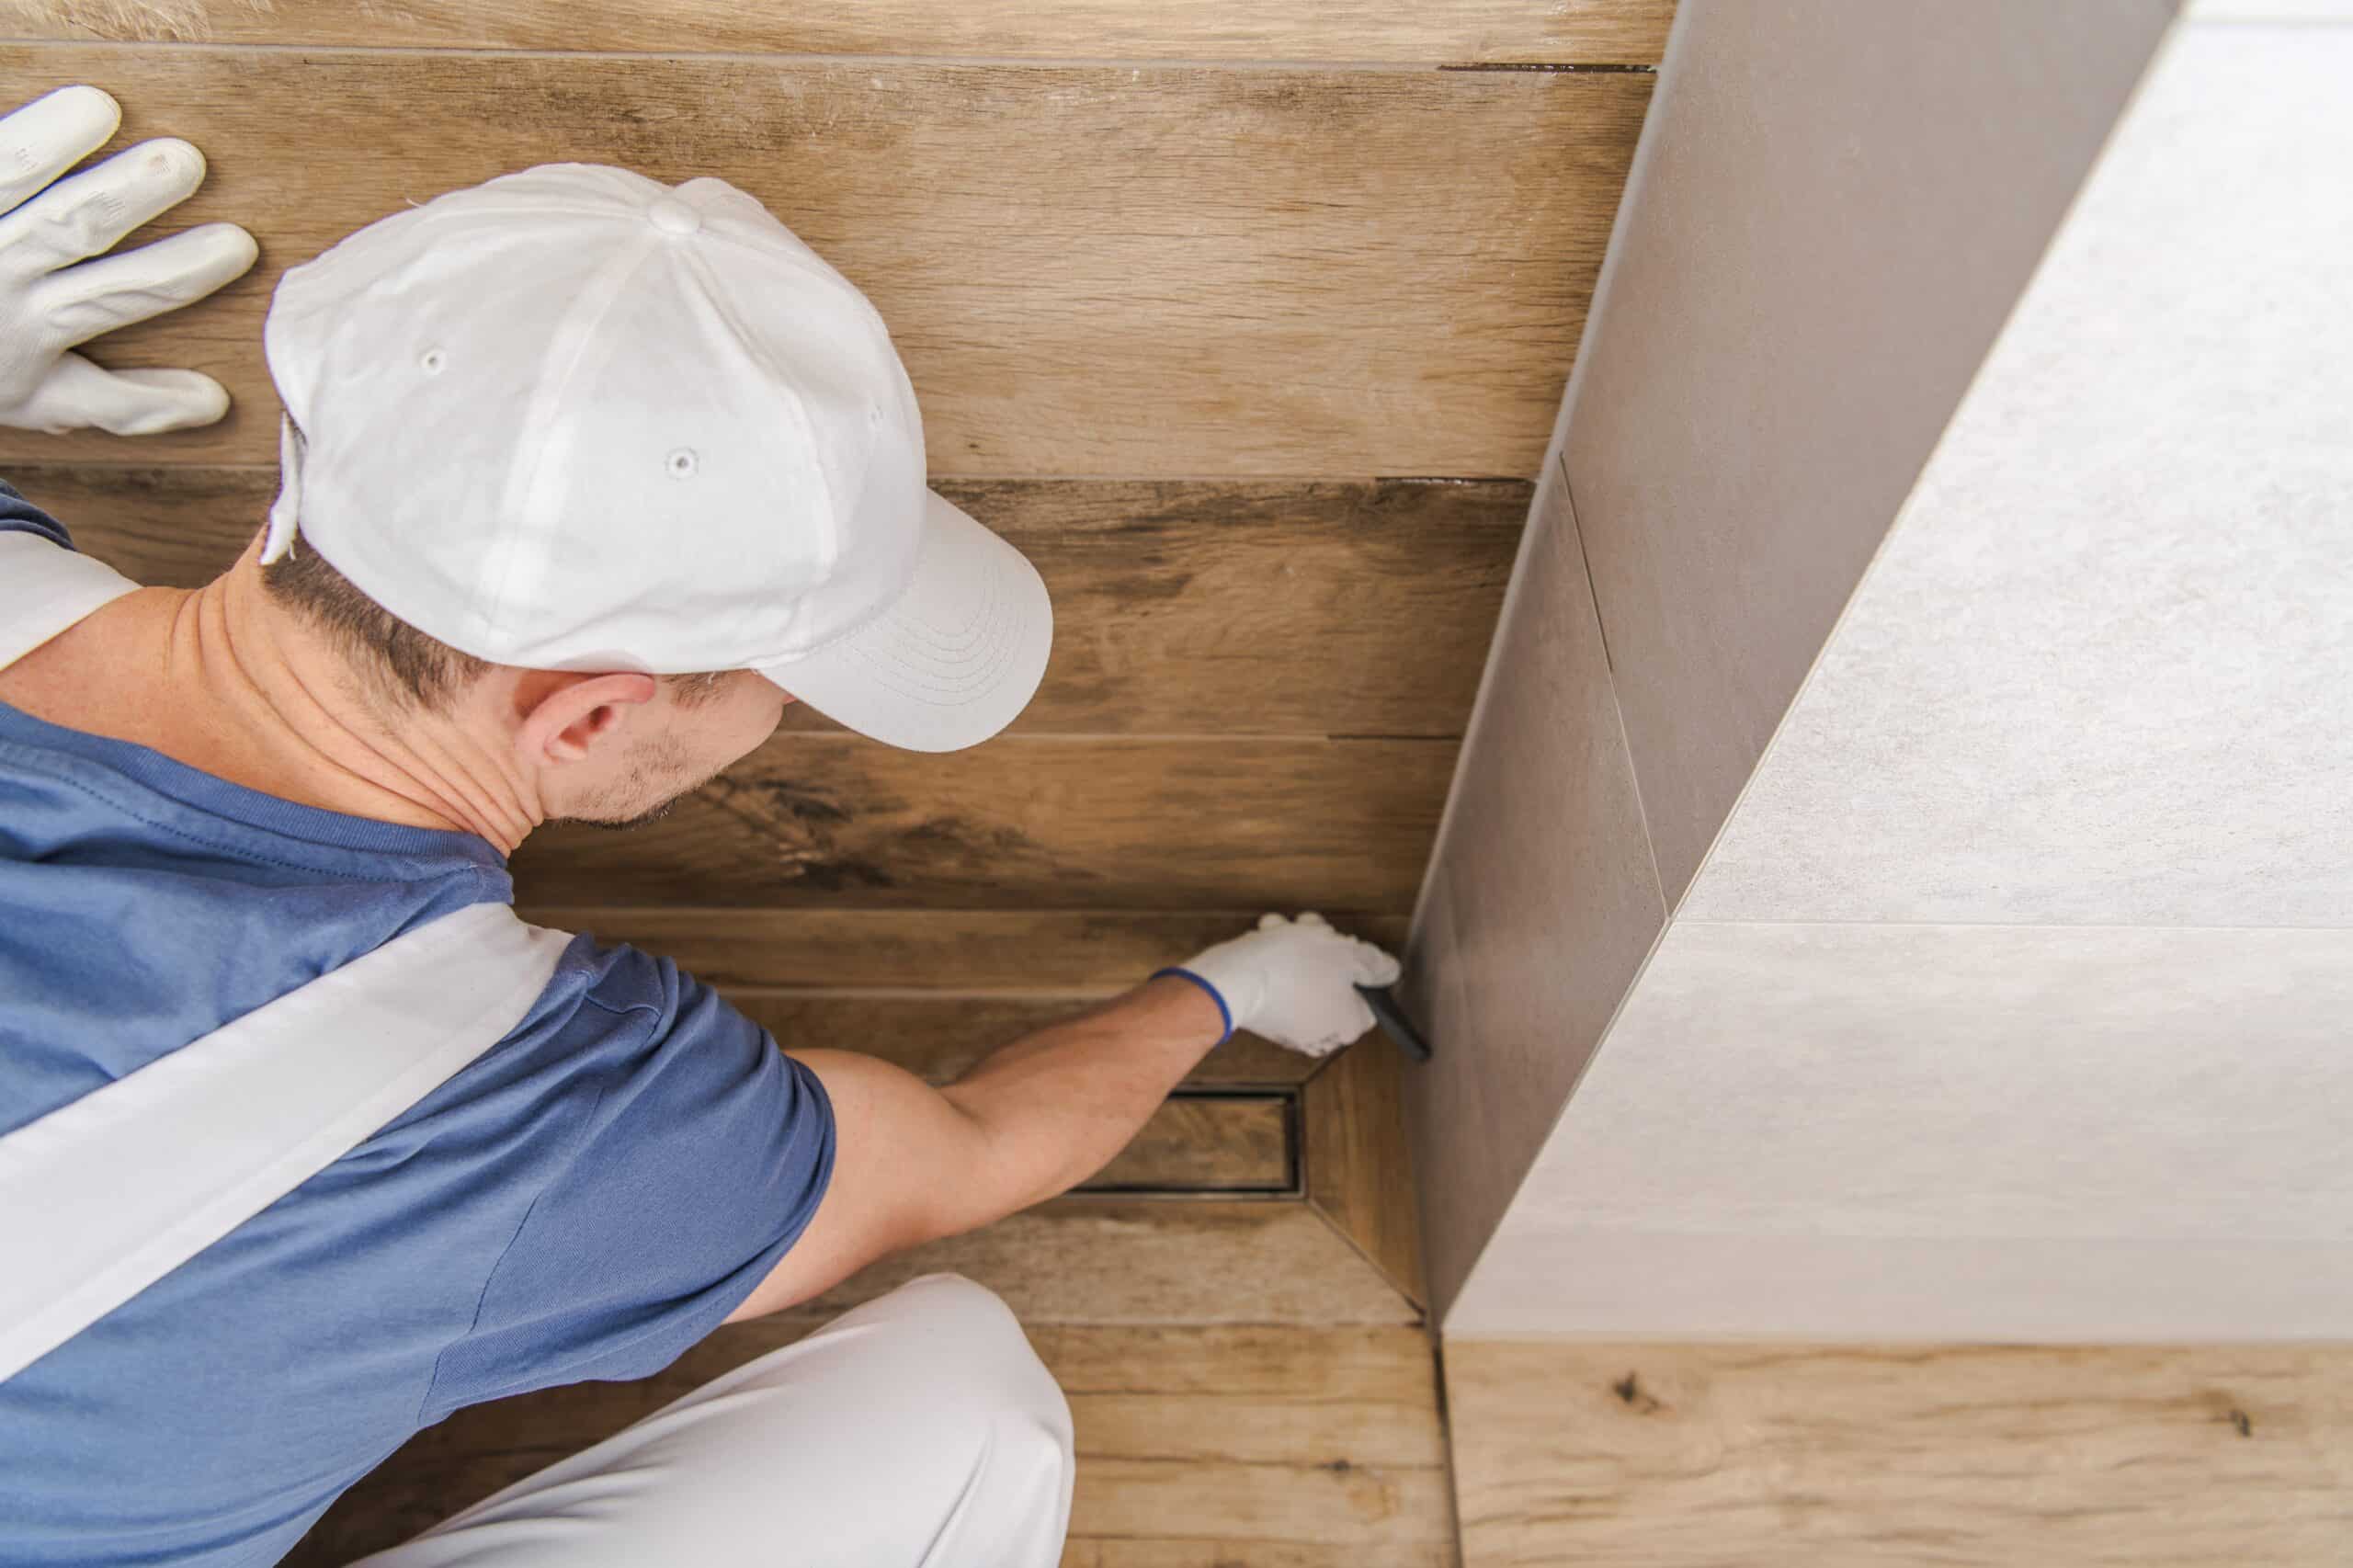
(613, 280)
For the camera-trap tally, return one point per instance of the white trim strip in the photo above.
(103, 1197)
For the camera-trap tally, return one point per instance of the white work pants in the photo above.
(920, 1428)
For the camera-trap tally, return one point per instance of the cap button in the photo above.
(674, 217)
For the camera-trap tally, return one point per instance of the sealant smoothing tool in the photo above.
(1393, 1021)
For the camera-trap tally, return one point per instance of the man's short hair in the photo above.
(408, 666)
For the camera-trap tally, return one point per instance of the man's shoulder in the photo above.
(644, 1128)
(18, 515)
(619, 1047)
(630, 1007)
(618, 980)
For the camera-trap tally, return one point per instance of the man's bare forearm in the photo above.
(913, 1163)
(1056, 1106)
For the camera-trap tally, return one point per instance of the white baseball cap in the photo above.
(577, 419)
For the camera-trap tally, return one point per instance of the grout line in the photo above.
(1585, 559)
(1514, 584)
(1618, 711)
(1455, 737)
(1617, 70)
(1451, 1467)
(795, 57)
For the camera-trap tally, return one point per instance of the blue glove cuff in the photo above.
(1223, 1011)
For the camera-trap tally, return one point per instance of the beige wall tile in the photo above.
(2056, 1132)
(1836, 203)
(1544, 903)
(2103, 671)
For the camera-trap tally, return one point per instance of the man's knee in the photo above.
(920, 1422)
(983, 1367)
(982, 1431)
(953, 1294)
(942, 1352)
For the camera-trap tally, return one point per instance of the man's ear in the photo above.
(565, 717)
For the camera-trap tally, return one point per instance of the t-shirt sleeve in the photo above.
(20, 516)
(704, 1157)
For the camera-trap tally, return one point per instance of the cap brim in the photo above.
(954, 661)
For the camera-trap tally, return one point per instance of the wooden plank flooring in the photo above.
(1048, 823)
(1358, 1176)
(1195, 608)
(1623, 31)
(1284, 1503)
(1691, 1456)
(1144, 1260)
(1090, 952)
(1246, 1447)
(1305, 285)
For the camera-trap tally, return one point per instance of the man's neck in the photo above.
(226, 681)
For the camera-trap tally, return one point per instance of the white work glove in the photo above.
(48, 304)
(1294, 982)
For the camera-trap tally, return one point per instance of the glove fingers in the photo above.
(48, 136)
(77, 395)
(86, 214)
(1271, 921)
(99, 295)
(1371, 965)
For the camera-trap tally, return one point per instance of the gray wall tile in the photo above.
(1542, 905)
(1911, 1131)
(1835, 204)
(2103, 671)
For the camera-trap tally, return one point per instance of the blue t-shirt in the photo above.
(585, 1200)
